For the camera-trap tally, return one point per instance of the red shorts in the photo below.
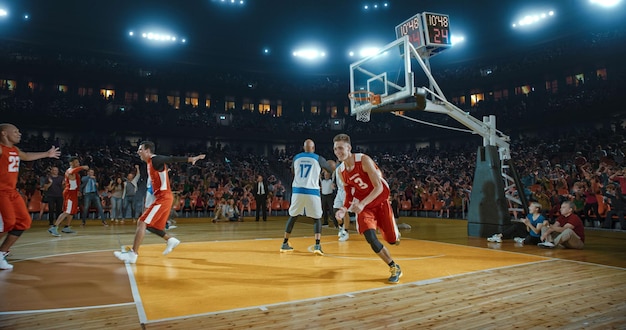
(379, 217)
(70, 201)
(157, 213)
(13, 212)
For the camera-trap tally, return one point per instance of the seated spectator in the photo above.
(231, 211)
(567, 231)
(534, 221)
(220, 211)
(524, 231)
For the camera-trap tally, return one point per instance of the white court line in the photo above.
(64, 309)
(141, 312)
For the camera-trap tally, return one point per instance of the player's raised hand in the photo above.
(54, 152)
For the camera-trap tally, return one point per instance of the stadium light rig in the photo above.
(161, 38)
(457, 39)
(364, 52)
(375, 6)
(533, 19)
(605, 3)
(230, 2)
(309, 54)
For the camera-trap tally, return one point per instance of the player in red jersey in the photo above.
(156, 214)
(14, 216)
(70, 197)
(367, 195)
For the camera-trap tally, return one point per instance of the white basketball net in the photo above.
(364, 115)
(363, 99)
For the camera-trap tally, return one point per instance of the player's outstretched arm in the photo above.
(54, 152)
(194, 159)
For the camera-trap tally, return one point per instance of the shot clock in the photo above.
(413, 28)
(429, 33)
(437, 29)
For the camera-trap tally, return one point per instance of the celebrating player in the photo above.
(14, 216)
(157, 213)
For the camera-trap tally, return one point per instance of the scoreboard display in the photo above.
(437, 29)
(413, 28)
(429, 33)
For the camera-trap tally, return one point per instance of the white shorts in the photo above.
(307, 205)
(149, 199)
(339, 198)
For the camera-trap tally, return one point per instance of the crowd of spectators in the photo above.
(553, 167)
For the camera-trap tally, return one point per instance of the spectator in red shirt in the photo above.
(567, 231)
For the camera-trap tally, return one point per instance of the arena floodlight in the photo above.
(368, 51)
(309, 53)
(533, 19)
(457, 39)
(605, 3)
(159, 38)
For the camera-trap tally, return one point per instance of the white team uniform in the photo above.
(341, 193)
(338, 202)
(305, 188)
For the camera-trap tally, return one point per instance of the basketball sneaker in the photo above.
(317, 249)
(286, 248)
(519, 240)
(496, 238)
(396, 273)
(546, 245)
(127, 257)
(343, 235)
(53, 230)
(4, 264)
(171, 244)
(68, 230)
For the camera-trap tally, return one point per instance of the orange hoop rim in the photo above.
(352, 96)
(372, 98)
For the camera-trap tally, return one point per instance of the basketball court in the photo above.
(233, 275)
(209, 277)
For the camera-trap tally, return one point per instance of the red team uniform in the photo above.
(13, 212)
(377, 214)
(70, 192)
(159, 211)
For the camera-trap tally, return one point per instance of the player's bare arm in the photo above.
(29, 156)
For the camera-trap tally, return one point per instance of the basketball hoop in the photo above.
(364, 99)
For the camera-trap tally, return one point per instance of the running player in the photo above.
(367, 195)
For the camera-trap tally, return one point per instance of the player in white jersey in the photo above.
(340, 197)
(305, 193)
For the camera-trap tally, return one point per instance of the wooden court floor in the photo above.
(232, 276)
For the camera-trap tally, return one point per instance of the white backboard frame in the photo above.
(365, 73)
